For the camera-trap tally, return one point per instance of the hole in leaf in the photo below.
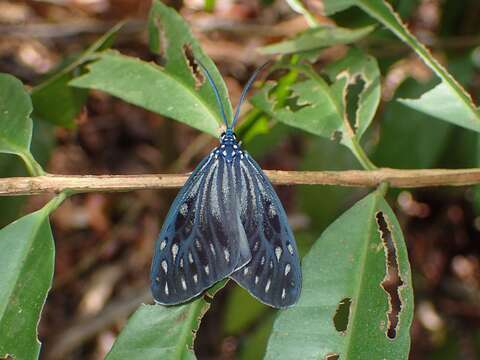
(332, 356)
(294, 104)
(286, 99)
(392, 281)
(340, 319)
(336, 136)
(193, 65)
(159, 41)
(352, 100)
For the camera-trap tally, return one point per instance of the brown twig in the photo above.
(359, 178)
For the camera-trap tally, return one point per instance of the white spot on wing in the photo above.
(278, 252)
(245, 271)
(290, 248)
(212, 248)
(262, 261)
(256, 280)
(184, 284)
(164, 266)
(283, 293)
(271, 211)
(174, 251)
(163, 244)
(166, 288)
(267, 287)
(207, 270)
(287, 269)
(195, 278)
(227, 255)
(181, 262)
(190, 257)
(183, 209)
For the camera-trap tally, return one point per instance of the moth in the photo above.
(227, 221)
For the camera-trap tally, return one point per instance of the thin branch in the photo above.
(360, 178)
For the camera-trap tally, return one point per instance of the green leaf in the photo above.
(27, 258)
(440, 103)
(148, 86)
(423, 138)
(177, 89)
(317, 38)
(357, 67)
(160, 332)
(333, 6)
(323, 110)
(448, 101)
(171, 37)
(56, 102)
(349, 263)
(15, 122)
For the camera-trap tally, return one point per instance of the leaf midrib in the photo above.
(361, 277)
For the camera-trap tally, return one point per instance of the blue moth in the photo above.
(227, 221)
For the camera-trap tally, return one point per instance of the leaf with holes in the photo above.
(447, 101)
(321, 109)
(15, 122)
(356, 80)
(357, 297)
(177, 89)
(56, 102)
(317, 38)
(159, 332)
(27, 258)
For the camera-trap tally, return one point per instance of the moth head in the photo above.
(228, 136)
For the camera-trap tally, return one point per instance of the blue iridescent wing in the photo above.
(273, 275)
(202, 240)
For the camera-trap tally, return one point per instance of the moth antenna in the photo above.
(245, 91)
(215, 90)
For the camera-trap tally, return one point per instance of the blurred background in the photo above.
(104, 241)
